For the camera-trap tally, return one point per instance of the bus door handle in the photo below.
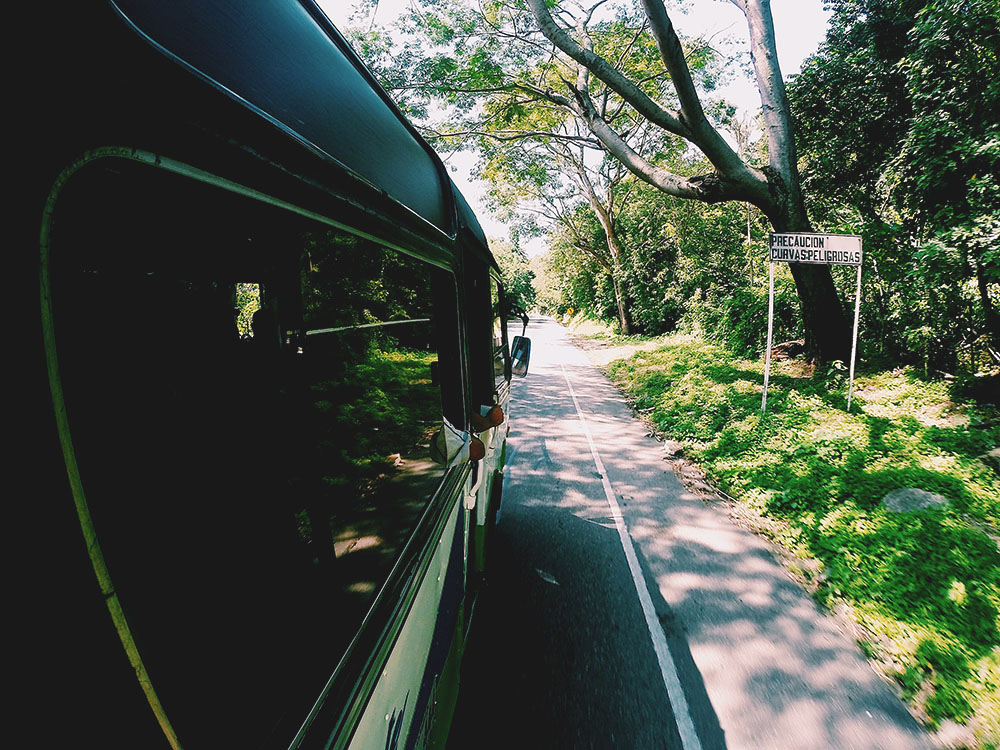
(477, 452)
(470, 496)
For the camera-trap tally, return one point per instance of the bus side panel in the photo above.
(494, 331)
(402, 711)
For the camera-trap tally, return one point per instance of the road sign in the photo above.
(807, 247)
(803, 247)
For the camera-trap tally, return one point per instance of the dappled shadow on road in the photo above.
(760, 665)
(560, 656)
(779, 673)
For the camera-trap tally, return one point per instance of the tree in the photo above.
(544, 178)
(910, 159)
(555, 59)
(517, 276)
(548, 297)
(949, 164)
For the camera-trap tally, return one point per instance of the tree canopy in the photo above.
(910, 159)
(591, 120)
(617, 77)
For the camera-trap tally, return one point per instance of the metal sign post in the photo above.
(854, 340)
(806, 247)
(770, 332)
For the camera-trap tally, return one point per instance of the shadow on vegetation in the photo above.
(824, 472)
(565, 647)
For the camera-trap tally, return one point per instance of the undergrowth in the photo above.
(923, 587)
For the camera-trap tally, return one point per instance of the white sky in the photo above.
(799, 27)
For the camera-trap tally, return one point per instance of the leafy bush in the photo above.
(927, 583)
(739, 320)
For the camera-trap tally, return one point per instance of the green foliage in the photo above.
(248, 302)
(516, 274)
(925, 585)
(573, 281)
(739, 319)
(366, 397)
(685, 265)
(909, 160)
(388, 399)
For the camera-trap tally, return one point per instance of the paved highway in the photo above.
(621, 611)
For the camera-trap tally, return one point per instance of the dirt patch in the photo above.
(943, 414)
(788, 349)
(884, 402)
(872, 394)
(602, 352)
(797, 368)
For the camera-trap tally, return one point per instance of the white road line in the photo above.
(671, 680)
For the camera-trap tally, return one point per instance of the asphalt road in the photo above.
(621, 611)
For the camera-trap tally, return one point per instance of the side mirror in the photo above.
(520, 353)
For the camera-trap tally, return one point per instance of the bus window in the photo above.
(251, 401)
(370, 346)
(500, 358)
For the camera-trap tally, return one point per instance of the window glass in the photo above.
(252, 403)
(368, 404)
(499, 339)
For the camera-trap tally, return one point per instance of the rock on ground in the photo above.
(910, 499)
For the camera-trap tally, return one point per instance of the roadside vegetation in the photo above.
(657, 230)
(922, 589)
(657, 223)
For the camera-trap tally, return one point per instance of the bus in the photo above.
(270, 391)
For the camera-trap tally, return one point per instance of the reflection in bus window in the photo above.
(499, 349)
(252, 422)
(368, 406)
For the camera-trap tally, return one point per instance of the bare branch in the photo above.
(604, 71)
(763, 53)
(705, 136)
(628, 47)
(640, 167)
(508, 135)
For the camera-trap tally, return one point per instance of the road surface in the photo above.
(621, 611)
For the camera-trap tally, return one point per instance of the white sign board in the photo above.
(806, 247)
(800, 247)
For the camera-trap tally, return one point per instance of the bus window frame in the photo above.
(354, 677)
(498, 307)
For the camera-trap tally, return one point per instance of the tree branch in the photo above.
(510, 135)
(706, 137)
(605, 72)
(774, 99)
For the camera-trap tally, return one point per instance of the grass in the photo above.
(923, 588)
(581, 324)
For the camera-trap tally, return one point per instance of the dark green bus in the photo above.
(270, 382)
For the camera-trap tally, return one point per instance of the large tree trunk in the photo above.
(826, 326)
(621, 297)
(624, 315)
(607, 222)
(827, 329)
(989, 312)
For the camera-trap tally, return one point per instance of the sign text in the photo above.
(836, 249)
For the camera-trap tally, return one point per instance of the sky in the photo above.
(799, 27)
